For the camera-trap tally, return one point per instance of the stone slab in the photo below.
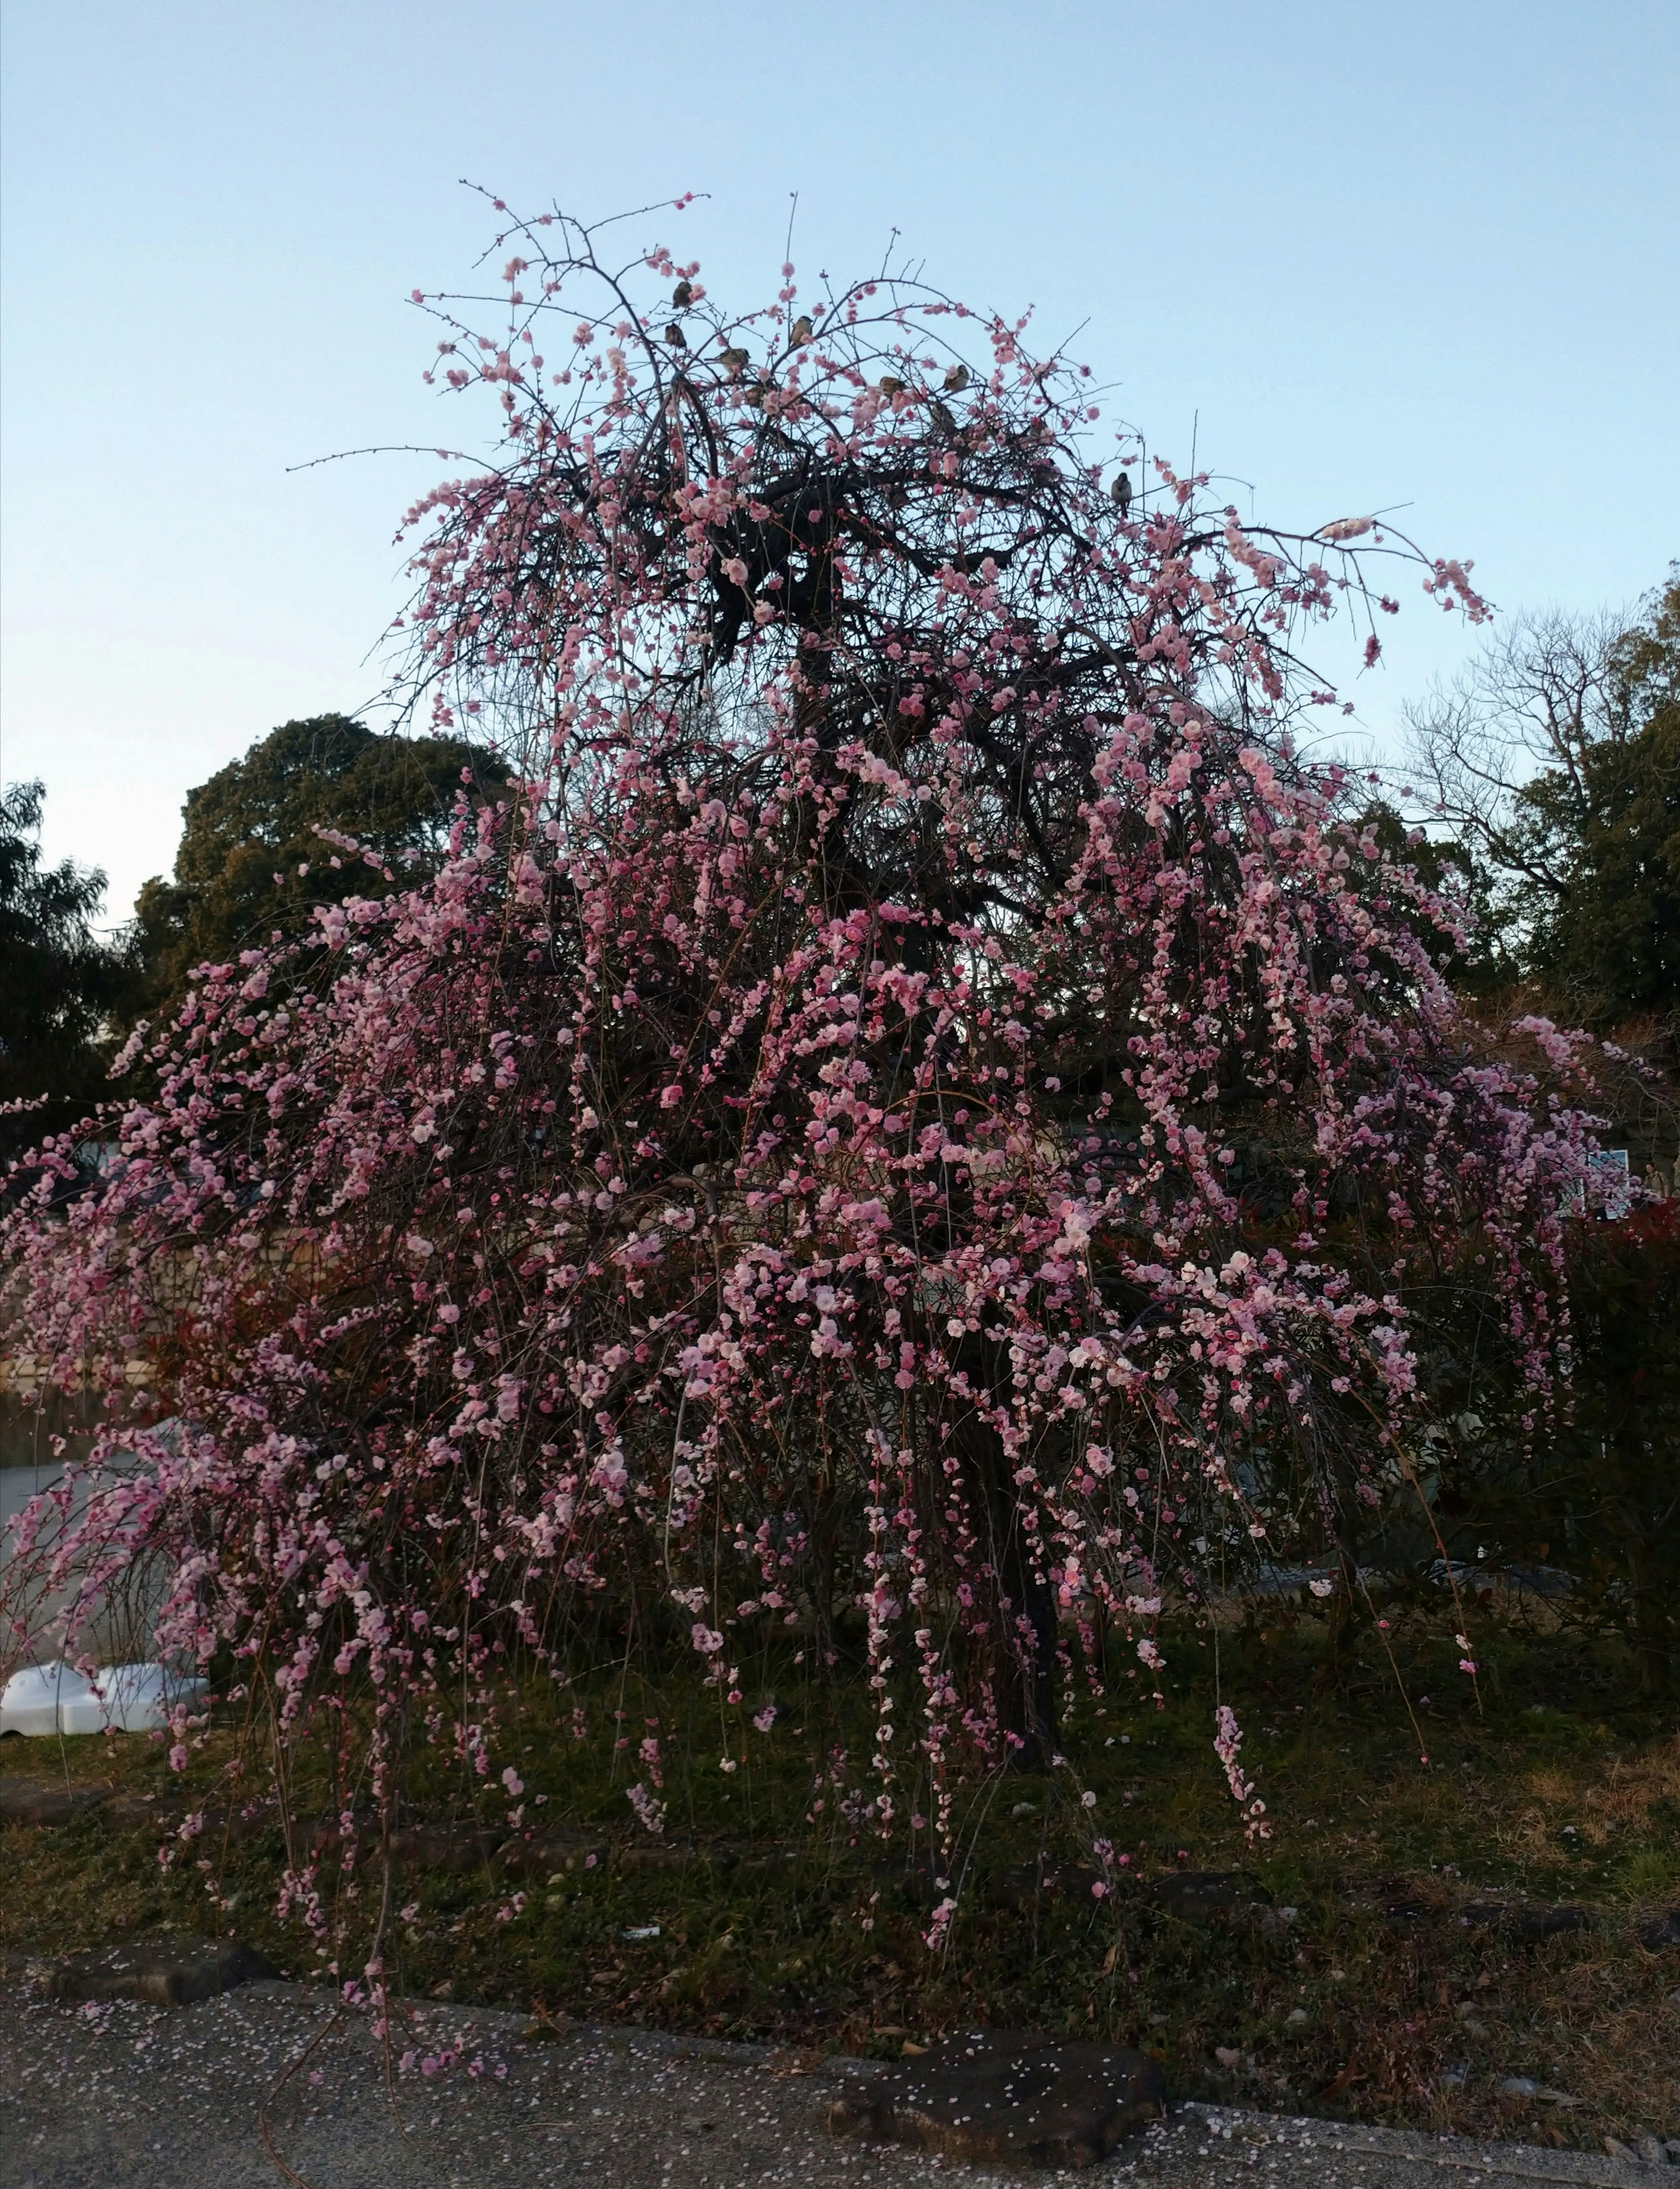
(29, 1801)
(1529, 1922)
(1194, 1895)
(675, 1855)
(1533, 1923)
(160, 1972)
(452, 1847)
(142, 1813)
(1047, 1878)
(1006, 2094)
(549, 1856)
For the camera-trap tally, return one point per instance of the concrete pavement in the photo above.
(122, 2096)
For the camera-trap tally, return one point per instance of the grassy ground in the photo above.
(1561, 1787)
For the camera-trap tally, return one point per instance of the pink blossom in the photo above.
(706, 1186)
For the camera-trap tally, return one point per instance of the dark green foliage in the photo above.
(1576, 1493)
(1609, 940)
(1555, 763)
(1448, 867)
(251, 862)
(58, 980)
(1602, 1499)
(1625, 1433)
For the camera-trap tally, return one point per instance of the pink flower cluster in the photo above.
(921, 1098)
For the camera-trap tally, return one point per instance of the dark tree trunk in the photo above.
(1026, 1599)
(1653, 1594)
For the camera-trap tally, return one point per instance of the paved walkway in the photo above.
(128, 2098)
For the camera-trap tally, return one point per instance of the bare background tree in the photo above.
(1555, 763)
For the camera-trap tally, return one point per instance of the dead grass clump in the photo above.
(1636, 1784)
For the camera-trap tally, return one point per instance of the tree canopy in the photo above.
(1610, 936)
(253, 863)
(922, 1107)
(1555, 762)
(58, 980)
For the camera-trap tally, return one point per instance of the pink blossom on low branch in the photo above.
(917, 1100)
(1227, 1744)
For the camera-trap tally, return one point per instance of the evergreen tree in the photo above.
(58, 980)
(253, 863)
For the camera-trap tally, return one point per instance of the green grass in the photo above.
(1562, 1786)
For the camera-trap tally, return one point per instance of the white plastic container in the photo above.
(128, 1698)
(30, 1700)
(46, 1699)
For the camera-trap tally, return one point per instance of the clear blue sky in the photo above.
(1421, 254)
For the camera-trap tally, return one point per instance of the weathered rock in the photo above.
(676, 1855)
(546, 1857)
(1379, 1889)
(1526, 2088)
(1005, 2094)
(160, 1972)
(155, 1812)
(921, 1881)
(1193, 1895)
(140, 1812)
(458, 1846)
(1664, 1932)
(452, 1847)
(769, 1861)
(1482, 1914)
(1045, 1879)
(1394, 1899)
(245, 1822)
(1412, 1911)
(1526, 1921)
(30, 1802)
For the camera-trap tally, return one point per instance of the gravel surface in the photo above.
(122, 2096)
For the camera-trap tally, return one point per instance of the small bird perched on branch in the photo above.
(956, 379)
(1120, 492)
(683, 295)
(675, 336)
(888, 386)
(800, 332)
(733, 360)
